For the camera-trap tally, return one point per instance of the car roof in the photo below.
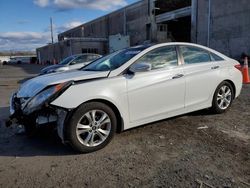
(189, 44)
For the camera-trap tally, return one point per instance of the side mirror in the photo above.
(140, 67)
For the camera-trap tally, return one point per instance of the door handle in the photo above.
(215, 67)
(177, 76)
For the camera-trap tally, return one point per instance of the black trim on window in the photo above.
(179, 55)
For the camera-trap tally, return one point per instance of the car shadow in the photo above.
(44, 143)
(28, 68)
(204, 112)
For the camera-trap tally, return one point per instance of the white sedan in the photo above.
(71, 63)
(125, 89)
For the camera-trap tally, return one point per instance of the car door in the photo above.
(201, 73)
(158, 91)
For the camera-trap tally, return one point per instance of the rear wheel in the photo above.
(223, 97)
(91, 127)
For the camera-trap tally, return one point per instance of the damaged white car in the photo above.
(125, 89)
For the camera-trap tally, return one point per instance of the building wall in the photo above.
(229, 28)
(137, 18)
(129, 20)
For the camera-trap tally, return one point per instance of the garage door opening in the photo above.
(177, 30)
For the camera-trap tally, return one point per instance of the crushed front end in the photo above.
(36, 111)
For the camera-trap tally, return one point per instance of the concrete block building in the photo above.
(219, 24)
(223, 25)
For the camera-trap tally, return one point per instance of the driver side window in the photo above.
(163, 57)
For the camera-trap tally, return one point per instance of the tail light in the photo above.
(238, 66)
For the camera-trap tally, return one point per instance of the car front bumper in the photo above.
(44, 116)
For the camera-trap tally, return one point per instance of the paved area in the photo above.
(185, 151)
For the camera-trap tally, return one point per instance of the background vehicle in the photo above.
(126, 89)
(71, 63)
(20, 60)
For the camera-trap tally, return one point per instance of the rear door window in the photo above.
(215, 57)
(193, 55)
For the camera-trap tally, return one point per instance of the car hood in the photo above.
(33, 86)
(51, 67)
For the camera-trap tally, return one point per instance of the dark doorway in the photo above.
(179, 30)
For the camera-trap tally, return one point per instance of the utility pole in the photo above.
(52, 41)
(51, 30)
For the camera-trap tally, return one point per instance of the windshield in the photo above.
(113, 60)
(67, 60)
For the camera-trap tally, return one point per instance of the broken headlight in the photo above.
(44, 97)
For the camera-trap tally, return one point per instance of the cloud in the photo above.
(61, 28)
(26, 41)
(67, 26)
(42, 3)
(23, 40)
(103, 5)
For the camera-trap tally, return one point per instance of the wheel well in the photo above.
(120, 122)
(233, 86)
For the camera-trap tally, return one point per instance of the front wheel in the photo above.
(91, 127)
(223, 97)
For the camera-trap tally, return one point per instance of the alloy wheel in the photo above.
(93, 128)
(224, 97)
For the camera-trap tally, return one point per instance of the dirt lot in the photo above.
(169, 153)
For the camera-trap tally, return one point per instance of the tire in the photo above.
(86, 135)
(223, 97)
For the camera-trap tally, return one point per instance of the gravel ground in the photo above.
(169, 153)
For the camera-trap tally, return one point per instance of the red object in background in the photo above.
(245, 72)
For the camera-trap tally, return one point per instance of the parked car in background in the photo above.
(125, 89)
(20, 60)
(71, 63)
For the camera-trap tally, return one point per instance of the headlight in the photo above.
(46, 95)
